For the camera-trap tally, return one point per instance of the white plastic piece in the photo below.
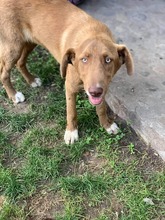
(113, 129)
(71, 136)
(148, 201)
(36, 83)
(19, 97)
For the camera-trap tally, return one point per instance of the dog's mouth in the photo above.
(95, 100)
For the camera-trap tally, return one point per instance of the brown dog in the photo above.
(84, 47)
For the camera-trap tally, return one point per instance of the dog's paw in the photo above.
(71, 136)
(36, 83)
(19, 97)
(113, 129)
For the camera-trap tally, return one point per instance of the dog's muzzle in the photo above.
(95, 95)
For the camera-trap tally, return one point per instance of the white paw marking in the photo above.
(71, 136)
(36, 83)
(19, 97)
(113, 129)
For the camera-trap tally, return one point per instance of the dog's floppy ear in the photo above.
(67, 59)
(125, 57)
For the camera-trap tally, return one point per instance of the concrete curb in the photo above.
(140, 99)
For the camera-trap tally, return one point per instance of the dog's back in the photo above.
(34, 20)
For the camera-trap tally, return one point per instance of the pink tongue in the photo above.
(95, 100)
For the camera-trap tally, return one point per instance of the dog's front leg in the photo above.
(110, 126)
(71, 133)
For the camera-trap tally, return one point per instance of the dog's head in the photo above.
(96, 62)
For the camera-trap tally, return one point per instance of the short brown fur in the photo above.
(84, 47)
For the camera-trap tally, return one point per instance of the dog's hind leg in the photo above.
(21, 65)
(8, 58)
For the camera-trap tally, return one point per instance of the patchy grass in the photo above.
(100, 177)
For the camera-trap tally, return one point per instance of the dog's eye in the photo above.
(84, 59)
(107, 60)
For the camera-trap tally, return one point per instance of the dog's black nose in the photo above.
(95, 91)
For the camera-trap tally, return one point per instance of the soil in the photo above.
(44, 204)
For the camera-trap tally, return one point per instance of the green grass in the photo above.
(100, 177)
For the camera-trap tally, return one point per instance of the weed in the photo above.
(11, 212)
(99, 177)
(131, 148)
